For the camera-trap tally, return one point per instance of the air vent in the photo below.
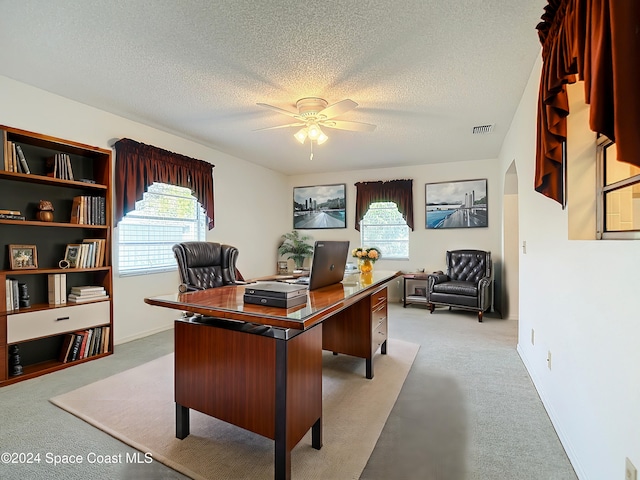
(481, 129)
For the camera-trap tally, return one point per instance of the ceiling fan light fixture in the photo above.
(301, 135)
(322, 138)
(314, 131)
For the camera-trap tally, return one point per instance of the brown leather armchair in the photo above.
(467, 283)
(203, 265)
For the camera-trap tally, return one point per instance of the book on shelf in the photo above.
(23, 160)
(98, 256)
(67, 345)
(88, 290)
(86, 298)
(59, 166)
(10, 216)
(57, 288)
(12, 300)
(84, 344)
(75, 349)
(88, 210)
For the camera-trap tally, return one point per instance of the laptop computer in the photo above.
(327, 266)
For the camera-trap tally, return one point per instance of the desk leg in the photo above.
(383, 348)
(282, 453)
(369, 367)
(182, 421)
(316, 434)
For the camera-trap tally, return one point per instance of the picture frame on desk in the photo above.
(283, 267)
(23, 257)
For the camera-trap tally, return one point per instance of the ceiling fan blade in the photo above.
(279, 110)
(281, 126)
(338, 108)
(347, 125)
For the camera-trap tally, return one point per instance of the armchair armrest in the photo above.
(435, 278)
(484, 293)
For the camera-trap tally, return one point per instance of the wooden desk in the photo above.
(260, 368)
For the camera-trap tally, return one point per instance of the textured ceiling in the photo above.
(424, 71)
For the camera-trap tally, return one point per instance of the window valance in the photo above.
(138, 166)
(596, 41)
(398, 191)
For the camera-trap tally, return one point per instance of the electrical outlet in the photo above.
(549, 359)
(630, 472)
(533, 337)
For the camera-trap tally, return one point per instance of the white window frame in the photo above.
(197, 224)
(603, 143)
(365, 242)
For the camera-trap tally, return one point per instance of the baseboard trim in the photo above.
(553, 416)
(142, 334)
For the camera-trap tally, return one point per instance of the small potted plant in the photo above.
(295, 246)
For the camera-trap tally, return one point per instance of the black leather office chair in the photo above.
(203, 265)
(467, 283)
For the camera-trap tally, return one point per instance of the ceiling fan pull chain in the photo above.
(311, 143)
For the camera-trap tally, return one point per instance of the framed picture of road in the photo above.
(321, 206)
(461, 204)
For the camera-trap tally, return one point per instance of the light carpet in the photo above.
(137, 407)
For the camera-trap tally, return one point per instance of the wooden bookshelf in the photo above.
(44, 323)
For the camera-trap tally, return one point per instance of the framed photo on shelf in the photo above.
(23, 257)
(461, 204)
(71, 254)
(321, 206)
(420, 291)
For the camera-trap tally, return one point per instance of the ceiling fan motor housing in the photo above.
(310, 106)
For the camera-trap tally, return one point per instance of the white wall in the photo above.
(427, 248)
(246, 196)
(580, 297)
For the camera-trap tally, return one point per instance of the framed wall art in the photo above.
(461, 204)
(22, 257)
(322, 206)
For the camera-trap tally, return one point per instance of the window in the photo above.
(166, 215)
(384, 227)
(619, 194)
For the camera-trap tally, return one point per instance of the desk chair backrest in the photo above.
(204, 265)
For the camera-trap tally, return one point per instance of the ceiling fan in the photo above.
(313, 113)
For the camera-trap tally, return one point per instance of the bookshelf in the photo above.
(37, 334)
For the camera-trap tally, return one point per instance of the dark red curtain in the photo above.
(599, 42)
(398, 191)
(138, 166)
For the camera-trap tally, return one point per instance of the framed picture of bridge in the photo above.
(321, 206)
(461, 204)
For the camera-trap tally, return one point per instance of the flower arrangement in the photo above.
(372, 254)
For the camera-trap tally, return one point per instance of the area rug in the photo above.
(137, 407)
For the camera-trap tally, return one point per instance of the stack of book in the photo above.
(87, 293)
(57, 288)
(11, 215)
(11, 296)
(14, 159)
(275, 294)
(59, 166)
(84, 344)
(89, 210)
(88, 254)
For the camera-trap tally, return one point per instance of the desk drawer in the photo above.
(42, 323)
(378, 298)
(379, 335)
